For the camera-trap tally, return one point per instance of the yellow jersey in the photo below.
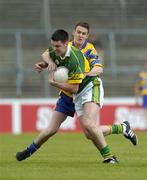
(90, 53)
(142, 84)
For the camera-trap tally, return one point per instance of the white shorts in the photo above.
(93, 92)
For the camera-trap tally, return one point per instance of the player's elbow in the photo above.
(98, 70)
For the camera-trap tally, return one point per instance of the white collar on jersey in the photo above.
(67, 54)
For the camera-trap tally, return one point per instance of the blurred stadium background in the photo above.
(118, 29)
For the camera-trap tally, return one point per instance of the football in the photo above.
(61, 74)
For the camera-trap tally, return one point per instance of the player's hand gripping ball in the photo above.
(61, 74)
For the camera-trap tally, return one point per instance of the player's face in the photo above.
(80, 35)
(59, 47)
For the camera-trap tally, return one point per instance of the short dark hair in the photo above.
(83, 24)
(60, 35)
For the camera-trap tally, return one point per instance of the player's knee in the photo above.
(89, 131)
(89, 127)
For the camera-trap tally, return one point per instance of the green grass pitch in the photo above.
(69, 156)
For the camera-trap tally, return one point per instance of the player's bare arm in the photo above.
(96, 70)
(47, 59)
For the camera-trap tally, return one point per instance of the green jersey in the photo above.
(74, 61)
(93, 60)
(76, 64)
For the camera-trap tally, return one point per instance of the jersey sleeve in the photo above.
(77, 75)
(93, 58)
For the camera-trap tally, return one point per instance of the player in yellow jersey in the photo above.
(80, 36)
(141, 89)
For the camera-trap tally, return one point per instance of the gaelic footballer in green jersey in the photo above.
(74, 61)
